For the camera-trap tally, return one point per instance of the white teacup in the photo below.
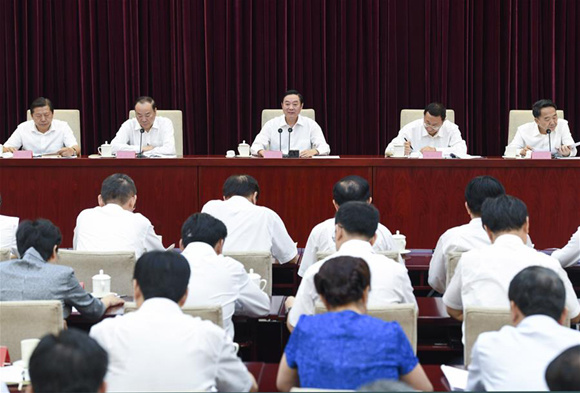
(244, 149)
(400, 241)
(399, 151)
(26, 348)
(105, 150)
(230, 154)
(511, 151)
(257, 279)
(101, 284)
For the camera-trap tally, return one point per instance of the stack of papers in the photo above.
(456, 377)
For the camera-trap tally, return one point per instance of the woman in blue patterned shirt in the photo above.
(344, 348)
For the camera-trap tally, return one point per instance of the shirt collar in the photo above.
(31, 255)
(238, 200)
(154, 126)
(35, 130)
(476, 222)
(112, 206)
(509, 240)
(356, 247)
(283, 123)
(200, 249)
(424, 132)
(537, 322)
(159, 305)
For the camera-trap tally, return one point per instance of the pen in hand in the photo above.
(410, 146)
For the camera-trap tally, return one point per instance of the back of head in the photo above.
(202, 227)
(351, 188)
(342, 280)
(504, 213)
(537, 290)
(436, 109)
(162, 274)
(563, 373)
(41, 234)
(68, 362)
(118, 188)
(358, 218)
(540, 104)
(479, 189)
(41, 102)
(240, 185)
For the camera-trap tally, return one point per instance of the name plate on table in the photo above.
(272, 154)
(22, 154)
(4, 356)
(541, 155)
(432, 154)
(126, 154)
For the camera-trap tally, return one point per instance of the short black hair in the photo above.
(146, 100)
(358, 218)
(40, 234)
(436, 109)
(68, 362)
(351, 188)
(41, 102)
(503, 213)
(202, 227)
(118, 188)
(479, 189)
(541, 104)
(162, 274)
(293, 92)
(242, 185)
(537, 290)
(563, 373)
(342, 280)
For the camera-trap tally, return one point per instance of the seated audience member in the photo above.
(356, 227)
(251, 227)
(483, 275)
(8, 226)
(36, 277)
(113, 225)
(43, 134)
(344, 348)
(146, 133)
(68, 362)
(294, 131)
(321, 239)
(431, 133)
(535, 135)
(216, 279)
(570, 253)
(515, 358)
(159, 348)
(563, 373)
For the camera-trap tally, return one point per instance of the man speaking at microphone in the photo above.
(291, 131)
(545, 133)
(147, 133)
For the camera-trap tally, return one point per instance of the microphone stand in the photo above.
(289, 133)
(140, 155)
(280, 132)
(548, 131)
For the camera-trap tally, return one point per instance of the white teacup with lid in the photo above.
(257, 279)
(101, 284)
(105, 150)
(400, 241)
(244, 149)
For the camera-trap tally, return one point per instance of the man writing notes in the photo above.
(156, 131)
(546, 132)
(431, 133)
(296, 132)
(43, 134)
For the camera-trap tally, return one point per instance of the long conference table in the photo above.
(420, 197)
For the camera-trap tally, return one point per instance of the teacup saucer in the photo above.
(403, 252)
(100, 296)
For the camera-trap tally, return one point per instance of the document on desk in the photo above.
(325, 157)
(456, 377)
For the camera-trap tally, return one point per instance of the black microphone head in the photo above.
(289, 129)
(141, 130)
(279, 130)
(548, 131)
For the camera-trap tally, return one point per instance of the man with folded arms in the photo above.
(216, 279)
(516, 357)
(356, 226)
(158, 348)
(43, 134)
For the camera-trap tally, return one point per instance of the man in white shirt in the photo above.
(545, 133)
(293, 131)
(516, 357)
(216, 279)
(431, 133)
(356, 227)
(113, 225)
(251, 227)
(483, 275)
(147, 133)
(158, 348)
(321, 239)
(569, 255)
(8, 227)
(43, 134)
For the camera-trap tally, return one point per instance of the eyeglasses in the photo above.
(436, 128)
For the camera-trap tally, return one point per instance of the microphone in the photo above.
(140, 155)
(548, 131)
(289, 134)
(280, 132)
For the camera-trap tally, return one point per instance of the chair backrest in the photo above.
(269, 114)
(261, 262)
(519, 117)
(117, 264)
(71, 116)
(176, 117)
(394, 255)
(211, 313)
(4, 254)
(409, 115)
(28, 319)
(405, 314)
(479, 320)
(451, 260)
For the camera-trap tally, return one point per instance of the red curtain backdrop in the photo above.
(357, 62)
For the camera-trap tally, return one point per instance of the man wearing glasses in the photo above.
(431, 133)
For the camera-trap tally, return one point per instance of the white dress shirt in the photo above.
(216, 279)
(159, 349)
(529, 135)
(447, 140)
(516, 358)
(390, 281)
(112, 228)
(306, 134)
(160, 136)
(483, 276)
(28, 137)
(570, 254)
(252, 228)
(322, 239)
(8, 227)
